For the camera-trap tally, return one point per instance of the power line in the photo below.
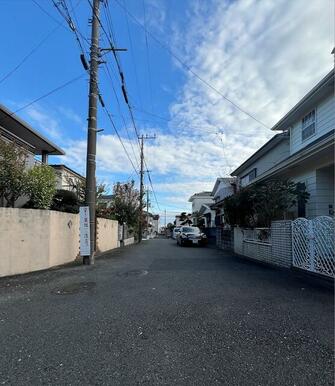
(189, 69)
(33, 50)
(133, 58)
(152, 188)
(106, 69)
(55, 19)
(65, 13)
(120, 139)
(147, 54)
(49, 93)
(123, 83)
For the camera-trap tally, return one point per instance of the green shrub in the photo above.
(65, 201)
(40, 187)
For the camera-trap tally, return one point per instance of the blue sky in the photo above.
(263, 55)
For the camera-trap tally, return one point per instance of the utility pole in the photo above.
(165, 218)
(148, 210)
(142, 138)
(90, 193)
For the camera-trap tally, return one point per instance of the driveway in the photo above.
(159, 314)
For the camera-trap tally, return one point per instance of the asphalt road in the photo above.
(158, 314)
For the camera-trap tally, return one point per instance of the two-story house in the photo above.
(199, 200)
(302, 152)
(68, 179)
(14, 129)
(223, 187)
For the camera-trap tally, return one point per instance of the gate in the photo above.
(313, 245)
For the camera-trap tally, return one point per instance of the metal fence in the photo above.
(313, 245)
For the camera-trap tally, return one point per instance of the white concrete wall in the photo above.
(325, 122)
(107, 234)
(31, 239)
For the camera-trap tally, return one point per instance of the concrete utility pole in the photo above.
(148, 210)
(142, 138)
(90, 193)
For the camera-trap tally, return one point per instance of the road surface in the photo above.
(158, 314)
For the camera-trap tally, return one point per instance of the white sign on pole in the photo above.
(85, 246)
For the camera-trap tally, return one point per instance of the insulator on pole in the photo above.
(124, 94)
(83, 61)
(101, 101)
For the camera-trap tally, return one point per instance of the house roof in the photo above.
(274, 141)
(229, 180)
(15, 128)
(313, 149)
(64, 167)
(323, 88)
(106, 197)
(200, 194)
(204, 208)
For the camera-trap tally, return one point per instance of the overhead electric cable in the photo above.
(120, 139)
(49, 93)
(147, 53)
(189, 69)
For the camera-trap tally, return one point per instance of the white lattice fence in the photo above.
(313, 245)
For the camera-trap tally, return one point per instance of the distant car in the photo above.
(175, 232)
(191, 235)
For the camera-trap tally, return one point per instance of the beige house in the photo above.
(67, 178)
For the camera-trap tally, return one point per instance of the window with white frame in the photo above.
(308, 125)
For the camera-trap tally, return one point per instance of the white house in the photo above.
(198, 200)
(303, 151)
(223, 187)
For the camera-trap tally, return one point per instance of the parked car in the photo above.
(175, 232)
(191, 235)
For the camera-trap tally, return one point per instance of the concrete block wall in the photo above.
(225, 239)
(281, 238)
(278, 252)
(257, 250)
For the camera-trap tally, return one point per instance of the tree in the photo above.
(185, 219)
(13, 175)
(40, 186)
(273, 199)
(65, 201)
(260, 204)
(125, 204)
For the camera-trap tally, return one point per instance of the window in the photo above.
(249, 177)
(308, 125)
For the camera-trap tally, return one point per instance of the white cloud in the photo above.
(71, 115)
(44, 121)
(263, 55)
